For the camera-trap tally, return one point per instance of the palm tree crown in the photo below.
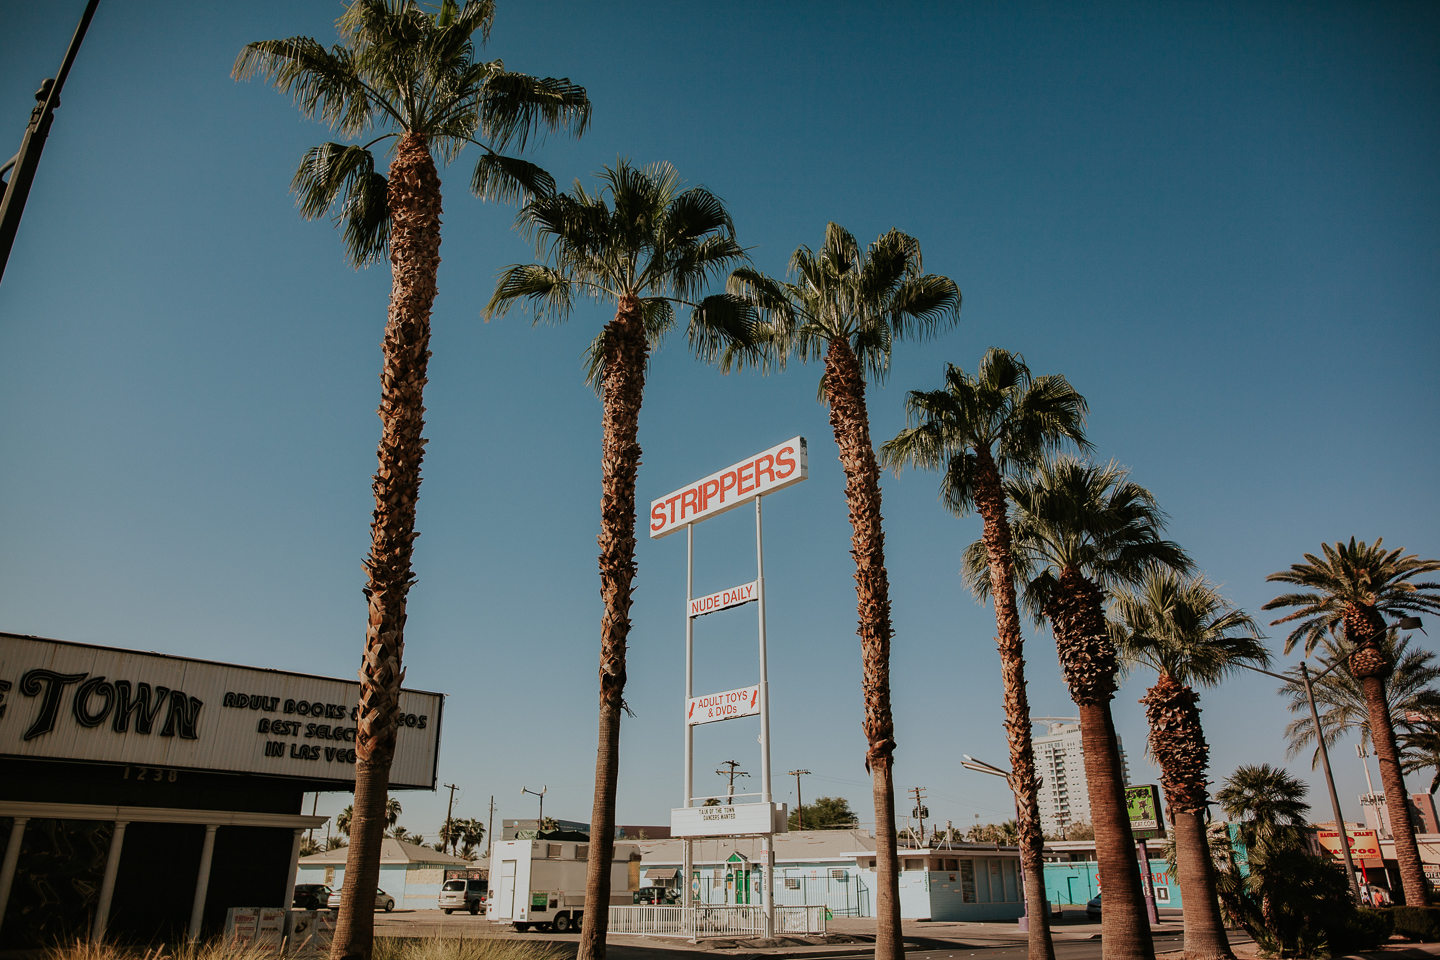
(1180, 626)
(1267, 802)
(640, 238)
(1351, 589)
(1073, 515)
(1001, 413)
(1340, 697)
(842, 295)
(403, 71)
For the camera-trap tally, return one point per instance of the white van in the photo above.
(541, 883)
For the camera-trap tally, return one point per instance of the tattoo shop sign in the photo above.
(71, 701)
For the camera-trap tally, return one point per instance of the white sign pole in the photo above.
(768, 893)
(688, 863)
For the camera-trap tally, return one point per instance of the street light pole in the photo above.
(980, 766)
(23, 165)
(1305, 678)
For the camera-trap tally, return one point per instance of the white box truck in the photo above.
(541, 883)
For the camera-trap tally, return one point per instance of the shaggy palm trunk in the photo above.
(414, 199)
(622, 390)
(1364, 627)
(1177, 742)
(1087, 660)
(845, 389)
(990, 502)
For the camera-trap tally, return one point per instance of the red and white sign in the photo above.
(766, 472)
(744, 702)
(724, 600)
(1364, 845)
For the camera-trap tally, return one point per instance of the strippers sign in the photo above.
(724, 600)
(766, 472)
(744, 702)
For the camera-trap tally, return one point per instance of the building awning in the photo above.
(666, 873)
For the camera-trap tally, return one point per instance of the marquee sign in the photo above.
(744, 702)
(767, 471)
(72, 701)
(729, 820)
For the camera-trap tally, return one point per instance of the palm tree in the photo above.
(1182, 628)
(1347, 595)
(1080, 529)
(412, 76)
(1340, 697)
(1269, 808)
(343, 819)
(979, 430)
(849, 307)
(392, 812)
(1420, 750)
(650, 248)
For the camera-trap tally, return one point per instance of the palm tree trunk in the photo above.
(1087, 660)
(623, 390)
(845, 390)
(414, 198)
(990, 503)
(1177, 742)
(1397, 800)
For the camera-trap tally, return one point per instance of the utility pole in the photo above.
(732, 773)
(539, 824)
(316, 805)
(490, 829)
(799, 803)
(23, 165)
(449, 823)
(921, 811)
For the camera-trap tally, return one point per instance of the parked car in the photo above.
(311, 896)
(1092, 909)
(383, 900)
(463, 895)
(656, 895)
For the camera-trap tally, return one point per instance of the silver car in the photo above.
(461, 894)
(383, 900)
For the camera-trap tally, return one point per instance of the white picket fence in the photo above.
(695, 923)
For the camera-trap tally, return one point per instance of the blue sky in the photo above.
(1218, 220)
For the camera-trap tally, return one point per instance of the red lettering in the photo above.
(689, 499)
(724, 486)
(657, 513)
(769, 468)
(671, 504)
(708, 489)
(784, 461)
(740, 479)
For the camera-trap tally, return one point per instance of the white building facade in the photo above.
(1064, 792)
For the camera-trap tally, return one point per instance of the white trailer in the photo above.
(541, 883)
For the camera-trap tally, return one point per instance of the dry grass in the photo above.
(386, 948)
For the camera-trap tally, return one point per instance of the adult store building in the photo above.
(142, 795)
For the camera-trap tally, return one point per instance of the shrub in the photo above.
(1364, 929)
(1417, 923)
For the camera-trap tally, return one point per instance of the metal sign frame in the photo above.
(798, 470)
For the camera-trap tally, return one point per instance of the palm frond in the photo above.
(517, 107)
(546, 292)
(509, 179)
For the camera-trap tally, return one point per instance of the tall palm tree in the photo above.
(1180, 627)
(648, 248)
(401, 73)
(1080, 529)
(1420, 750)
(980, 430)
(1346, 595)
(848, 307)
(1340, 697)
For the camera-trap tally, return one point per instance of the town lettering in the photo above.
(96, 699)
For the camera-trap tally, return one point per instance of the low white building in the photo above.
(836, 868)
(410, 873)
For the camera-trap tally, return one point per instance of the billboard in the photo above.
(159, 715)
(724, 599)
(729, 820)
(1364, 846)
(767, 471)
(1142, 803)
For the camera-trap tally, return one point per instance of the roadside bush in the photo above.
(1364, 929)
(458, 948)
(1417, 923)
